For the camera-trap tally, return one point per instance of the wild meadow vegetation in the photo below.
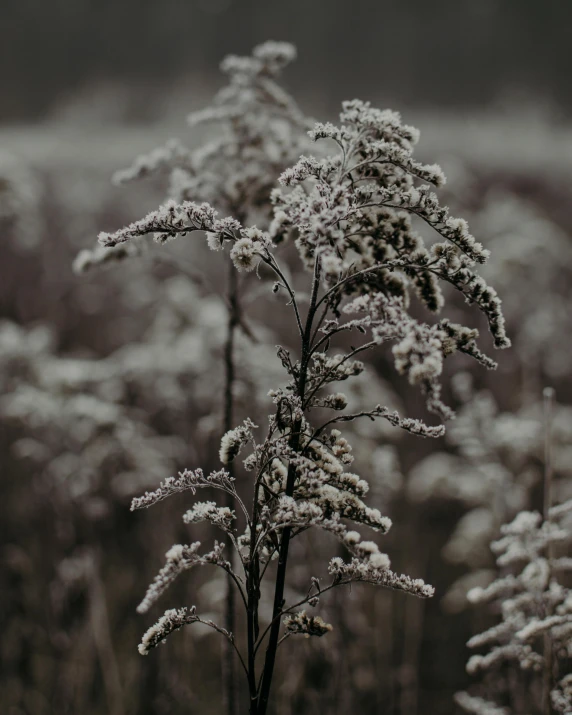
(318, 370)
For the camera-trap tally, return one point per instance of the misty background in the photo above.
(453, 54)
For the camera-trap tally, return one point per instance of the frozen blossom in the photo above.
(171, 621)
(234, 440)
(187, 480)
(376, 571)
(478, 706)
(169, 221)
(172, 154)
(179, 558)
(208, 511)
(88, 259)
(301, 623)
(536, 609)
(244, 251)
(561, 696)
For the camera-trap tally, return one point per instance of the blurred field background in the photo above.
(111, 382)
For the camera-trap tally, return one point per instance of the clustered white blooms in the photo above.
(535, 631)
(186, 480)
(562, 696)
(172, 620)
(492, 470)
(349, 215)
(301, 623)
(181, 558)
(368, 192)
(234, 440)
(478, 706)
(260, 131)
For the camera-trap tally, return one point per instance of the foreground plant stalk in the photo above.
(231, 699)
(363, 263)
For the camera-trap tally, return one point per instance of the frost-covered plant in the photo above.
(350, 215)
(535, 631)
(493, 466)
(259, 134)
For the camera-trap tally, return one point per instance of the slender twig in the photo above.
(364, 271)
(322, 382)
(270, 261)
(229, 638)
(230, 681)
(290, 481)
(330, 334)
(372, 414)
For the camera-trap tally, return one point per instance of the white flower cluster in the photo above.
(525, 538)
(252, 85)
(300, 623)
(533, 602)
(76, 417)
(353, 212)
(413, 426)
(187, 480)
(349, 215)
(364, 570)
(220, 516)
(478, 706)
(252, 243)
(168, 221)
(89, 259)
(262, 130)
(333, 368)
(420, 351)
(322, 479)
(172, 154)
(462, 339)
(497, 462)
(179, 558)
(289, 512)
(171, 621)
(234, 440)
(456, 268)
(562, 696)
(336, 401)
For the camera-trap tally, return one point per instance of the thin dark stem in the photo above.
(271, 262)
(372, 414)
(228, 638)
(295, 605)
(320, 321)
(290, 482)
(230, 689)
(328, 336)
(235, 579)
(253, 592)
(353, 276)
(322, 382)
